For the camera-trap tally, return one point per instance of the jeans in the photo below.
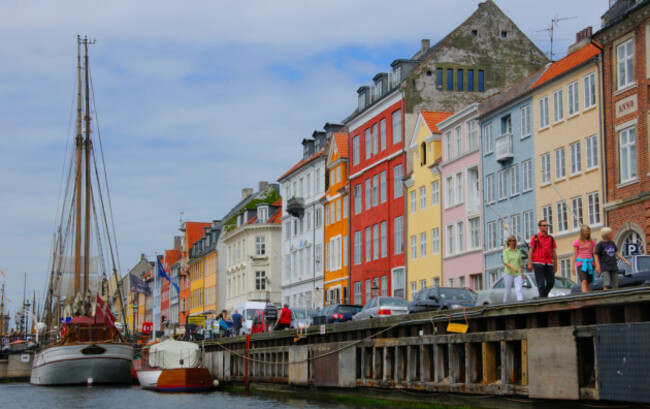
(545, 278)
(508, 281)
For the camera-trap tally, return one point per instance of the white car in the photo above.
(494, 295)
(383, 307)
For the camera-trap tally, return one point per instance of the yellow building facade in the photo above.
(567, 139)
(210, 282)
(197, 280)
(423, 211)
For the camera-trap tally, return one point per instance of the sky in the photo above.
(197, 100)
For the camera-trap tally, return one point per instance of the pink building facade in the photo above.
(462, 246)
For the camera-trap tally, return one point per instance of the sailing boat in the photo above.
(85, 345)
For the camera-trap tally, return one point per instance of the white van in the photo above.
(247, 310)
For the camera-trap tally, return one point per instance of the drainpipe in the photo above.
(602, 139)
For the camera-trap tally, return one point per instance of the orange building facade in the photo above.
(193, 231)
(336, 202)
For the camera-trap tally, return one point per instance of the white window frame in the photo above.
(625, 64)
(435, 193)
(459, 193)
(474, 233)
(423, 244)
(423, 197)
(435, 241)
(384, 239)
(527, 175)
(525, 121)
(358, 245)
(398, 187)
(451, 240)
(368, 249)
(594, 208)
(547, 214)
(368, 189)
(413, 201)
(375, 190)
(383, 187)
(576, 157)
(558, 106)
(529, 224)
(397, 126)
(514, 180)
(398, 238)
(560, 163)
(368, 142)
(460, 237)
(414, 247)
(589, 82)
(576, 212)
(627, 155)
(546, 168)
(573, 94)
(356, 150)
(562, 217)
(472, 134)
(375, 241)
(491, 235)
(486, 137)
(543, 113)
(502, 188)
(358, 201)
(490, 191)
(591, 144)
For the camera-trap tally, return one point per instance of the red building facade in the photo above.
(377, 222)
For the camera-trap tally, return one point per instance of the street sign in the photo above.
(631, 249)
(200, 320)
(147, 327)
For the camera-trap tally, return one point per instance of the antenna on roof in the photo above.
(181, 217)
(551, 31)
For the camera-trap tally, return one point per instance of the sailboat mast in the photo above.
(88, 147)
(78, 146)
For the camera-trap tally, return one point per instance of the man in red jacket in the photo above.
(543, 257)
(284, 320)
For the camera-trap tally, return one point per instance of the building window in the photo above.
(423, 197)
(481, 81)
(382, 134)
(439, 78)
(560, 164)
(346, 206)
(397, 181)
(414, 288)
(448, 154)
(435, 193)
(489, 188)
(590, 90)
(368, 244)
(384, 239)
(384, 286)
(435, 241)
(338, 210)
(414, 247)
(460, 79)
(375, 139)
(565, 267)
(474, 233)
(450, 79)
(543, 112)
(470, 80)
(317, 181)
(546, 168)
(576, 206)
(460, 237)
(318, 257)
(375, 242)
(260, 246)
(576, 158)
(327, 215)
(562, 217)
(547, 214)
(451, 238)
(414, 203)
(574, 98)
(319, 217)
(356, 155)
(357, 248)
(558, 106)
(592, 152)
(345, 250)
(356, 192)
(491, 235)
(529, 224)
(472, 135)
(260, 280)
(627, 154)
(375, 190)
(449, 197)
(625, 63)
(501, 184)
(399, 235)
(514, 180)
(397, 126)
(368, 143)
(514, 225)
(525, 121)
(368, 291)
(458, 138)
(382, 183)
(423, 244)
(487, 139)
(593, 204)
(527, 175)
(368, 194)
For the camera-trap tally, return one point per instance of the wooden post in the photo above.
(524, 362)
(489, 364)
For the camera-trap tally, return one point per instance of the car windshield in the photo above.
(299, 313)
(313, 313)
(347, 309)
(393, 302)
(643, 263)
(456, 294)
(562, 282)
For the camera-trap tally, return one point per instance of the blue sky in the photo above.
(196, 102)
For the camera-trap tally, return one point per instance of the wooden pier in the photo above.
(592, 346)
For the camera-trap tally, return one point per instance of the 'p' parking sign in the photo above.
(631, 249)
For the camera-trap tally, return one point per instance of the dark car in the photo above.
(638, 274)
(442, 298)
(336, 313)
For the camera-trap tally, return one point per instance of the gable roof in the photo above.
(433, 118)
(194, 231)
(567, 63)
(301, 163)
(502, 98)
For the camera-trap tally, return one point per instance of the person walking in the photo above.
(270, 315)
(284, 319)
(605, 256)
(543, 257)
(583, 258)
(512, 269)
(236, 323)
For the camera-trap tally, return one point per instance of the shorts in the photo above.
(585, 276)
(610, 279)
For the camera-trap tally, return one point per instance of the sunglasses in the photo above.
(543, 225)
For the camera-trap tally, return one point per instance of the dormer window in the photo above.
(262, 214)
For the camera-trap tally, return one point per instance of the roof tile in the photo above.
(433, 118)
(567, 63)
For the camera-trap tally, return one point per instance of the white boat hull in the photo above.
(67, 365)
(148, 378)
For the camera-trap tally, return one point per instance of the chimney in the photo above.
(261, 185)
(245, 192)
(426, 44)
(583, 38)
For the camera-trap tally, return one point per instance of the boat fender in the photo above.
(215, 383)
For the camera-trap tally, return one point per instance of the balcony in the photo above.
(296, 206)
(503, 148)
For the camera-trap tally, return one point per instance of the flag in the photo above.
(138, 286)
(3, 273)
(103, 312)
(163, 274)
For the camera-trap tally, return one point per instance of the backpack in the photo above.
(536, 241)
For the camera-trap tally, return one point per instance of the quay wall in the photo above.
(583, 347)
(17, 366)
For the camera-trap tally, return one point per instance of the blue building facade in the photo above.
(507, 172)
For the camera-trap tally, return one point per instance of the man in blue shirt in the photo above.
(236, 322)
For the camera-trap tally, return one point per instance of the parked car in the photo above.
(383, 307)
(303, 317)
(638, 274)
(442, 298)
(334, 313)
(494, 295)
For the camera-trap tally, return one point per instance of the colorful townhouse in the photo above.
(568, 144)
(137, 301)
(192, 232)
(172, 260)
(337, 209)
(507, 171)
(254, 252)
(203, 272)
(424, 259)
(462, 224)
(303, 185)
(164, 296)
(625, 38)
